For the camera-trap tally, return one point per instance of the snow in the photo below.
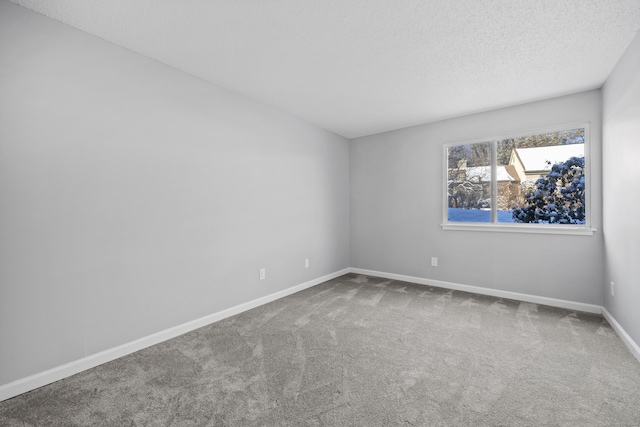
(536, 158)
(477, 215)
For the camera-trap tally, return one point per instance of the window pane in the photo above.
(541, 178)
(469, 182)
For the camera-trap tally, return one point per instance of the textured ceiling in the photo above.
(358, 67)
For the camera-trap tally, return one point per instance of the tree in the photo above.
(465, 195)
(558, 198)
(469, 155)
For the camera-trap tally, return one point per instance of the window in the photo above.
(528, 182)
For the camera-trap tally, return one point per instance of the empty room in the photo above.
(319, 213)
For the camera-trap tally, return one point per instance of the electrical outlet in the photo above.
(434, 261)
(306, 263)
(263, 273)
(613, 289)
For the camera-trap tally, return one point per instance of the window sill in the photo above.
(521, 228)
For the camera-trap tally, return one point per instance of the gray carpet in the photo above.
(361, 351)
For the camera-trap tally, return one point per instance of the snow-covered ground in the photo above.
(477, 215)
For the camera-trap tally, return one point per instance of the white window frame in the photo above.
(494, 226)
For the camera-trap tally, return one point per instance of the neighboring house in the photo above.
(482, 174)
(533, 163)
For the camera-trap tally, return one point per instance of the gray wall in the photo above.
(621, 142)
(136, 198)
(396, 209)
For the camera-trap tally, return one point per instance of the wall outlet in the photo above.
(306, 263)
(612, 286)
(263, 273)
(434, 261)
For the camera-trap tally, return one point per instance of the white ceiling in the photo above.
(358, 67)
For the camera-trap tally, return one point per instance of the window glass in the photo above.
(469, 183)
(532, 179)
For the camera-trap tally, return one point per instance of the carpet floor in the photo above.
(361, 351)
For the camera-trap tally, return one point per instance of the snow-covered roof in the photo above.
(483, 173)
(535, 158)
(503, 174)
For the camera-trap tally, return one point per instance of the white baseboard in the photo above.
(626, 339)
(32, 382)
(571, 305)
